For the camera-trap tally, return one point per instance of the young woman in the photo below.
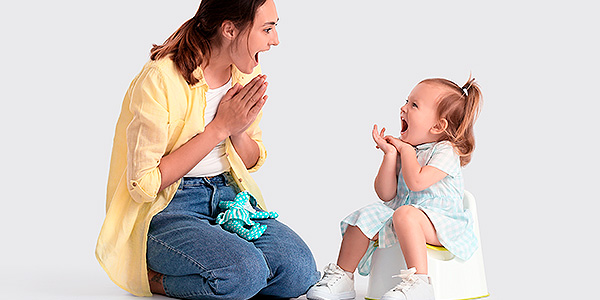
(186, 139)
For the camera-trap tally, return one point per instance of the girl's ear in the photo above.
(228, 30)
(439, 127)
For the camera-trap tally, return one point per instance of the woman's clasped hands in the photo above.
(240, 106)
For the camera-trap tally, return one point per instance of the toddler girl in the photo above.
(421, 185)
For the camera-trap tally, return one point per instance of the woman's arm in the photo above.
(179, 162)
(237, 111)
(246, 148)
(417, 178)
(246, 112)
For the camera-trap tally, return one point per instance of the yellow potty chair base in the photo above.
(452, 278)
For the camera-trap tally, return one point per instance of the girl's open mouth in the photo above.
(404, 125)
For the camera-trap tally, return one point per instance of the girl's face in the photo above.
(419, 115)
(257, 38)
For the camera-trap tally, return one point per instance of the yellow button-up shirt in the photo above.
(160, 113)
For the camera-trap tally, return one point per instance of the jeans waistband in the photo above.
(223, 178)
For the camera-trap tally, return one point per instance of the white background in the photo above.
(341, 67)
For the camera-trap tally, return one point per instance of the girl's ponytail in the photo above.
(460, 107)
(465, 137)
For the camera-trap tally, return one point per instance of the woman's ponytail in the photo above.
(191, 44)
(187, 48)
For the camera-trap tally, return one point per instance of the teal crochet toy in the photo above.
(238, 219)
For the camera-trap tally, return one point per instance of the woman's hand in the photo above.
(240, 107)
(379, 138)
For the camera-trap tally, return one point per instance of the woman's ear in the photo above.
(439, 127)
(228, 30)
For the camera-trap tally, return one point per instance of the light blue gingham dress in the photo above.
(442, 202)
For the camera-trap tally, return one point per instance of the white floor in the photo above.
(85, 284)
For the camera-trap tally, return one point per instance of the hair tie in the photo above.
(468, 84)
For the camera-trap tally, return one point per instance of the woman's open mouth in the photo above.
(259, 52)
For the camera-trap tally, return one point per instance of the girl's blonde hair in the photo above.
(460, 107)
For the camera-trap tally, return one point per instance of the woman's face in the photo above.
(257, 38)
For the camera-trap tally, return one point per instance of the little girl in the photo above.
(421, 185)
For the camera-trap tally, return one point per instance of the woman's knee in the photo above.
(302, 273)
(244, 277)
(294, 271)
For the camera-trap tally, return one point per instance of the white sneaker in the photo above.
(412, 287)
(335, 285)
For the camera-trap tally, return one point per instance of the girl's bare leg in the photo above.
(353, 248)
(414, 230)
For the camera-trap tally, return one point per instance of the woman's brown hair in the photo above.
(460, 107)
(192, 43)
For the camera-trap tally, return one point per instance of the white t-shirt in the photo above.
(215, 162)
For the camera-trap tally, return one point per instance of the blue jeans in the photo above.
(200, 260)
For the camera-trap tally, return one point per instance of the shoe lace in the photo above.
(408, 280)
(331, 274)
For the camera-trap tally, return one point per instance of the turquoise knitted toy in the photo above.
(237, 219)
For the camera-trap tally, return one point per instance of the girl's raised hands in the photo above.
(398, 143)
(379, 138)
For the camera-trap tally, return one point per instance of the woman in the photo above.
(176, 157)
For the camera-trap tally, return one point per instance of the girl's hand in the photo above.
(399, 144)
(379, 138)
(240, 106)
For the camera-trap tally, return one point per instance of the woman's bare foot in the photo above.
(156, 282)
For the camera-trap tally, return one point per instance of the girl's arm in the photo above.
(417, 178)
(387, 178)
(386, 181)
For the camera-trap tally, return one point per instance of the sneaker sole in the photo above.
(317, 295)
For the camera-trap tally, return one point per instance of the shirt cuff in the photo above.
(145, 189)
(261, 158)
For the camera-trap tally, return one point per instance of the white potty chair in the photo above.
(452, 277)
